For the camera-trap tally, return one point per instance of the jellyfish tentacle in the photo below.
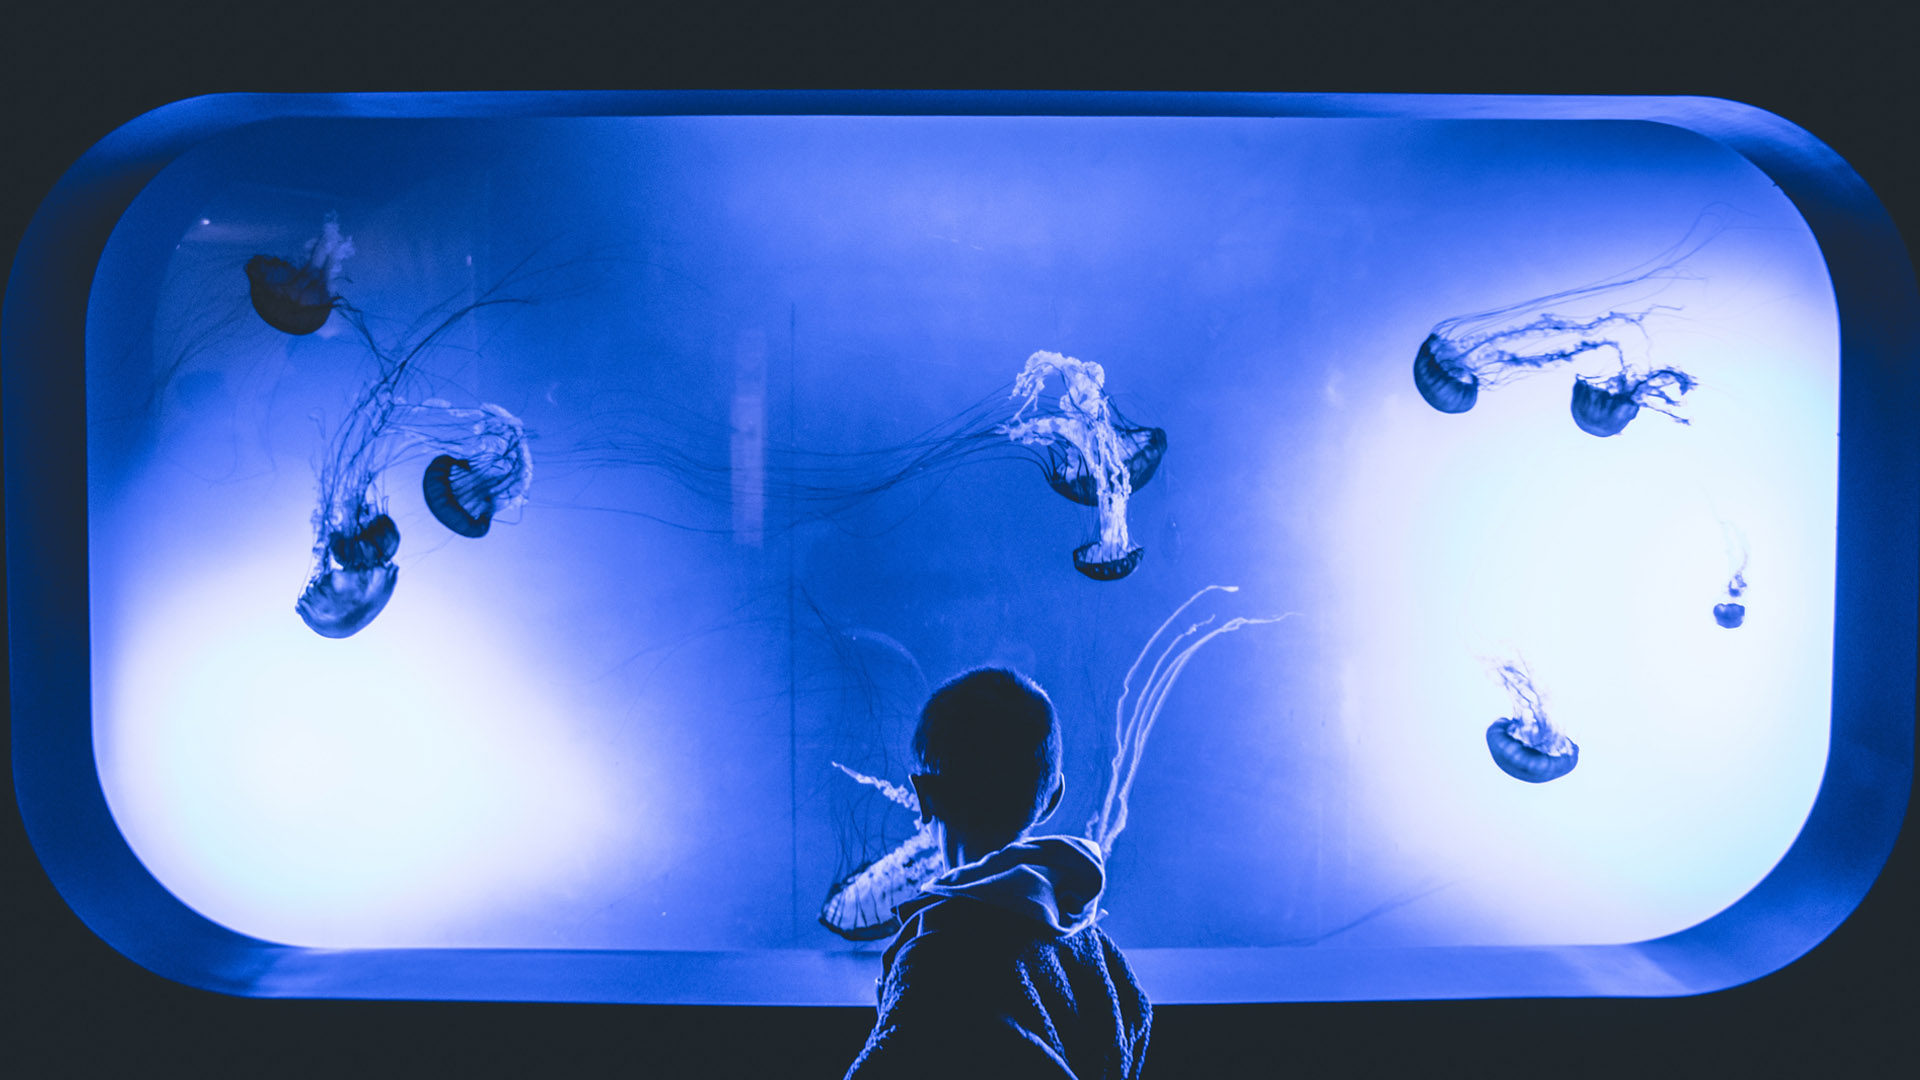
(1157, 699)
(1080, 442)
(1067, 472)
(1145, 706)
(1465, 354)
(859, 907)
(1120, 726)
(1604, 407)
(353, 576)
(1528, 746)
(903, 796)
(1126, 686)
(1132, 727)
(1499, 356)
(482, 472)
(1732, 613)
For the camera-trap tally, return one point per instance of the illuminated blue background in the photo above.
(474, 780)
(596, 730)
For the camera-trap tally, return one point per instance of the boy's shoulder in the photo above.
(963, 932)
(936, 927)
(966, 917)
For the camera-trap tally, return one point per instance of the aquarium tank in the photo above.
(503, 542)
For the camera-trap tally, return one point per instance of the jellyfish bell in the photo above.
(1090, 559)
(458, 496)
(489, 474)
(355, 580)
(368, 547)
(1443, 385)
(1524, 761)
(1600, 411)
(1067, 471)
(340, 603)
(1732, 613)
(291, 299)
(1528, 746)
(298, 299)
(1605, 407)
(1144, 462)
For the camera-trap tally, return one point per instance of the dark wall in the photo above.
(75, 69)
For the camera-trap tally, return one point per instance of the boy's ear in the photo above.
(1053, 800)
(926, 787)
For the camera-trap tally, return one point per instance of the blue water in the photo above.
(610, 722)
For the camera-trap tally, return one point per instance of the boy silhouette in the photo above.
(998, 969)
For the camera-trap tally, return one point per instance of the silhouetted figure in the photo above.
(998, 970)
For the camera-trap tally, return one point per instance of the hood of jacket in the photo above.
(1056, 880)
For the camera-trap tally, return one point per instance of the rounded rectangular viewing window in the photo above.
(498, 546)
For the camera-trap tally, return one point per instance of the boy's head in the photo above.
(988, 751)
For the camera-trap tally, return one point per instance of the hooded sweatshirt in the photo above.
(999, 971)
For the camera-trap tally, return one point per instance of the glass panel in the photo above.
(730, 397)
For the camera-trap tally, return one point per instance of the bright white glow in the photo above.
(412, 785)
(1507, 530)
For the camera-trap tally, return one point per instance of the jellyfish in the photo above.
(1093, 459)
(1132, 724)
(873, 687)
(1487, 349)
(298, 299)
(1528, 746)
(1468, 352)
(859, 907)
(354, 579)
(352, 576)
(1732, 613)
(488, 472)
(1604, 407)
(1085, 450)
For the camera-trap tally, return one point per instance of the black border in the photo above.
(73, 71)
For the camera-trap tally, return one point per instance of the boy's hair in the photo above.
(992, 734)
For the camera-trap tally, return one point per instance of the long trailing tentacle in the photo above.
(1158, 700)
(1131, 728)
(1120, 724)
(901, 795)
(1532, 725)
